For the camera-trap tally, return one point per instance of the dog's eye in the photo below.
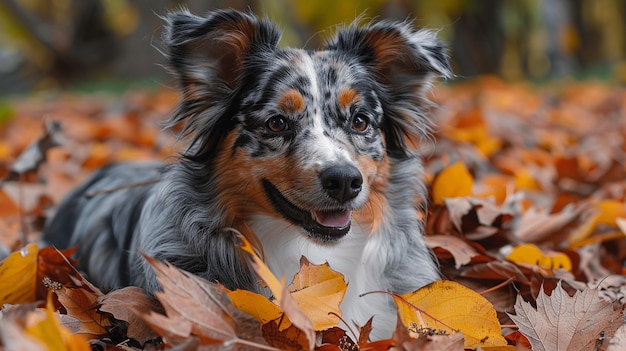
(277, 124)
(360, 122)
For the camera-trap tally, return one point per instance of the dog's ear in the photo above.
(403, 62)
(207, 56)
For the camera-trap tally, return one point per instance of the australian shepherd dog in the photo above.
(306, 153)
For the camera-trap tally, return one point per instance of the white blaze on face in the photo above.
(325, 149)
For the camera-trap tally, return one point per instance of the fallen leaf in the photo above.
(18, 274)
(33, 156)
(284, 299)
(319, 290)
(532, 255)
(82, 304)
(123, 305)
(453, 181)
(618, 341)
(195, 307)
(257, 306)
(449, 306)
(561, 322)
(460, 250)
(49, 332)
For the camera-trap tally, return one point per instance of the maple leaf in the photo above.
(198, 309)
(561, 322)
(318, 291)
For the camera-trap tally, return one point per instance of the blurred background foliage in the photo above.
(61, 43)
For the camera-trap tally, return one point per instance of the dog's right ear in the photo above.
(207, 55)
(205, 52)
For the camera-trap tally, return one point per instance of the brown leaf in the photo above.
(561, 322)
(126, 305)
(460, 250)
(82, 304)
(537, 226)
(195, 307)
(618, 341)
(33, 156)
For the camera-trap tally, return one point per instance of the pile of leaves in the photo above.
(527, 217)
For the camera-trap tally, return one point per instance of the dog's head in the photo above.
(302, 135)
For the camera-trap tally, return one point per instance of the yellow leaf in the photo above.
(319, 290)
(453, 181)
(609, 210)
(18, 276)
(50, 333)
(263, 270)
(256, 305)
(284, 299)
(532, 255)
(525, 181)
(449, 306)
(583, 232)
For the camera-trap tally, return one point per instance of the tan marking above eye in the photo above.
(291, 101)
(347, 97)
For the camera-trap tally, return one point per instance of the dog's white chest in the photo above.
(356, 256)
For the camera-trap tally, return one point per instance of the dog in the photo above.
(305, 153)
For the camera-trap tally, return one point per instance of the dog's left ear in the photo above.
(403, 61)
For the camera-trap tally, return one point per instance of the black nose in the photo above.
(342, 183)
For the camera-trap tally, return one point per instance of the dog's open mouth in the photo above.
(324, 225)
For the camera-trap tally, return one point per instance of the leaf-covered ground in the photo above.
(527, 209)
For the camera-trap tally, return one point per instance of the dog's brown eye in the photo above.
(360, 123)
(277, 124)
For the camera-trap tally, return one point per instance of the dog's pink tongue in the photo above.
(337, 219)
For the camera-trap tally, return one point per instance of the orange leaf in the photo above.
(453, 181)
(319, 290)
(283, 297)
(256, 305)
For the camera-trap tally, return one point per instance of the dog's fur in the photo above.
(306, 153)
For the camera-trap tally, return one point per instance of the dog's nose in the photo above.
(341, 182)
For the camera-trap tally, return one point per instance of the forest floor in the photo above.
(527, 209)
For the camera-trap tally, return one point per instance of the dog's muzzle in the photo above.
(340, 183)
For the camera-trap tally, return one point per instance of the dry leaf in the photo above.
(561, 322)
(124, 303)
(26, 328)
(460, 250)
(18, 274)
(33, 156)
(449, 306)
(618, 341)
(532, 255)
(82, 304)
(453, 181)
(281, 293)
(319, 290)
(198, 308)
